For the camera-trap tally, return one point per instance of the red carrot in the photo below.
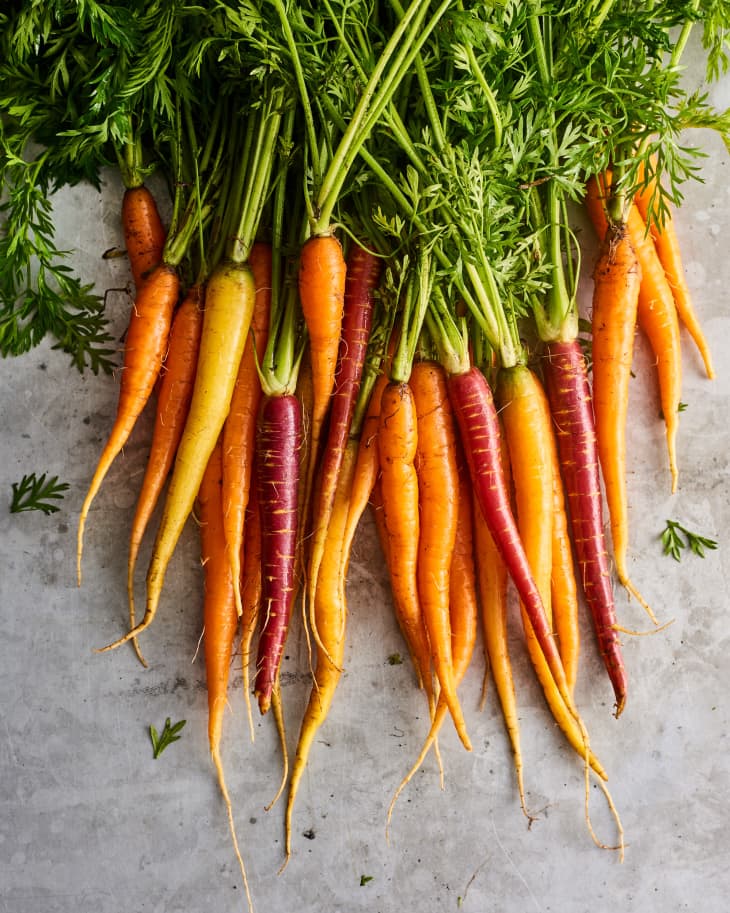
(570, 403)
(277, 467)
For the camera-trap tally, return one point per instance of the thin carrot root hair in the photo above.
(216, 755)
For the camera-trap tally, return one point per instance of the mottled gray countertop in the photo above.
(90, 823)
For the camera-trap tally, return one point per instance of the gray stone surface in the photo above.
(90, 823)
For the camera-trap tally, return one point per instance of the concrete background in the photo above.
(90, 823)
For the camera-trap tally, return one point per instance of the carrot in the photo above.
(656, 313)
(173, 400)
(617, 280)
(363, 271)
(144, 233)
(322, 272)
(668, 250)
(144, 350)
(492, 580)
(463, 614)
(219, 622)
(526, 423)
(239, 430)
(571, 406)
(229, 303)
(473, 406)
(250, 588)
(397, 442)
(563, 586)
(438, 504)
(330, 611)
(657, 317)
(277, 466)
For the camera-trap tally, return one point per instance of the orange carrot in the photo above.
(667, 247)
(144, 233)
(173, 400)
(397, 442)
(438, 503)
(144, 350)
(563, 586)
(250, 587)
(617, 281)
(219, 621)
(239, 430)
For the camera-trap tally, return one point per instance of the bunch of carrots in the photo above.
(366, 296)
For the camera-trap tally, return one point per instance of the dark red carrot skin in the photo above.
(569, 395)
(277, 466)
(473, 405)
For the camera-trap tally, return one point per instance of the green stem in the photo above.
(683, 37)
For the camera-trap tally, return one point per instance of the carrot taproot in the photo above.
(173, 401)
(669, 252)
(331, 613)
(397, 442)
(239, 429)
(617, 281)
(363, 271)
(220, 622)
(473, 405)
(229, 302)
(566, 382)
(144, 232)
(144, 351)
(438, 505)
(277, 472)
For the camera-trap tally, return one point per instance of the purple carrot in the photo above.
(363, 273)
(473, 405)
(569, 394)
(277, 466)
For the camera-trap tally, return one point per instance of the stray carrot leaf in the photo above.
(168, 735)
(676, 537)
(37, 493)
(364, 879)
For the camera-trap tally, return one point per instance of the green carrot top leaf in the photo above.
(37, 493)
(676, 537)
(169, 734)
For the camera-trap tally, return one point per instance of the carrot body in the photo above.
(229, 302)
(322, 272)
(173, 401)
(438, 502)
(668, 250)
(397, 443)
(330, 610)
(657, 317)
(250, 587)
(277, 472)
(144, 350)
(363, 271)
(571, 407)
(476, 416)
(656, 313)
(220, 621)
(239, 430)
(492, 580)
(563, 586)
(617, 280)
(144, 233)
